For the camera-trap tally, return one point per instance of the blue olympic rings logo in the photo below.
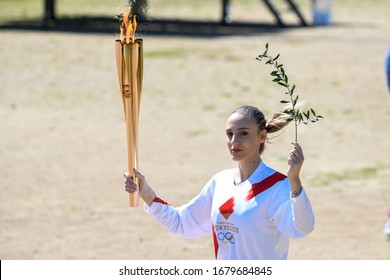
(227, 237)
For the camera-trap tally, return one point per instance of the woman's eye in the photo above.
(229, 134)
(244, 133)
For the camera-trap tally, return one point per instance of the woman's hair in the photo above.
(278, 121)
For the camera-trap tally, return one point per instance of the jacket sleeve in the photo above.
(293, 217)
(192, 219)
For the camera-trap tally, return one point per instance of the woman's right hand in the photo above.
(145, 191)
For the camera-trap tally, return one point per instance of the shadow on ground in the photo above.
(161, 27)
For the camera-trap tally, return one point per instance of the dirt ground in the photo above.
(63, 149)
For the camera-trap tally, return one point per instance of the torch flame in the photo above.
(127, 28)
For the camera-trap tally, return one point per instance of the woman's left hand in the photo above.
(295, 161)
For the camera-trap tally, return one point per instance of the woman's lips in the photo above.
(235, 151)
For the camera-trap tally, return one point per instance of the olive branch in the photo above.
(280, 77)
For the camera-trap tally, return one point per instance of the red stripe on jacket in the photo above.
(265, 184)
(159, 200)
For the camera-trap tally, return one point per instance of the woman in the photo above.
(386, 229)
(251, 210)
(387, 67)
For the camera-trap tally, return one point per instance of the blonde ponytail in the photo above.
(278, 122)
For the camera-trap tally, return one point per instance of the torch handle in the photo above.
(133, 73)
(129, 67)
(131, 149)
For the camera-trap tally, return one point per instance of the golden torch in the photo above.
(129, 60)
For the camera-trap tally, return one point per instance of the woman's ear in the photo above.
(263, 135)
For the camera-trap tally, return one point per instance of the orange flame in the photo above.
(127, 28)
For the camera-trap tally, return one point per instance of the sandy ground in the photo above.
(63, 149)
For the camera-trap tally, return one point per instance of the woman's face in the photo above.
(243, 137)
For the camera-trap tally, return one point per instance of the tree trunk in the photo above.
(49, 10)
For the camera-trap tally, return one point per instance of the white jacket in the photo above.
(253, 220)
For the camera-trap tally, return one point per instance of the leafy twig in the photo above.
(280, 77)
